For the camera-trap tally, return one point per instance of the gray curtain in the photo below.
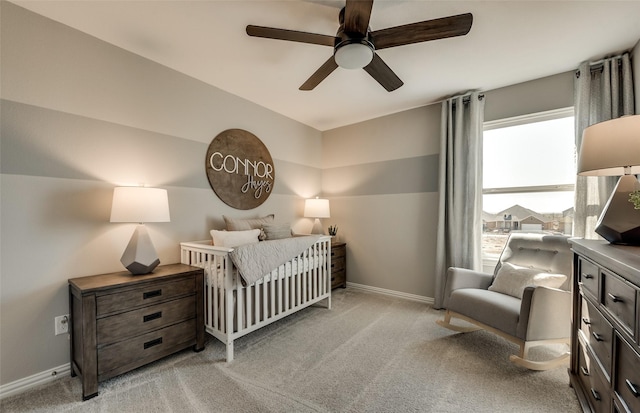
(459, 233)
(603, 91)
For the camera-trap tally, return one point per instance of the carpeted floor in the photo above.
(370, 353)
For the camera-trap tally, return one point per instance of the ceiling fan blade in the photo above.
(356, 16)
(320, 74)
(422, 31)
(379, 70)
(290, 35)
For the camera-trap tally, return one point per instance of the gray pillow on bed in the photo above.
(276, 231)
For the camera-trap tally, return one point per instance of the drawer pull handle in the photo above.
(585, 372)
(586, 320)
(151, 294)
(615, 298)
(152, 343)
(633, 388)
(596, 395)
(588, 276)
(153, 316)
(597, 336)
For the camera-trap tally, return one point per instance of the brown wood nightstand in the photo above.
(121, 321)
(338, 265)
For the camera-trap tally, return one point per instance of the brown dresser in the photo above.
(338, 265)
(605, 360)
(121, 321)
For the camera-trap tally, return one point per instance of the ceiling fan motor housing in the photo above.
(352, 50)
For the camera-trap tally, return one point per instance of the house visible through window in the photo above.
(529, 171)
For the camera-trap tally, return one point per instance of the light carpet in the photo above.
(369, 353)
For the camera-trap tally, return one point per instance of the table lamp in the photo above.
(612, 148)
(317, 208)
(140, 204)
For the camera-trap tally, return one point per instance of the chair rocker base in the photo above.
(519, 360)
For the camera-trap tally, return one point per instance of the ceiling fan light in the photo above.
(353, 56)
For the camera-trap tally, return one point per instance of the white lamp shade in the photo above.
(611, 148)
(316, 208)
(139, 204)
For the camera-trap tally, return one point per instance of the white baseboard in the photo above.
(384, 291)
(37, 379)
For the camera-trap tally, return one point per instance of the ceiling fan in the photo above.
(355, 44)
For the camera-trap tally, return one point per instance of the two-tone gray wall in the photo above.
(382, 179)
(80, 116)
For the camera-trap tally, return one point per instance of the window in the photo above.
(529, 171)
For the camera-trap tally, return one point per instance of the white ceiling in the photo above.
(510, 42)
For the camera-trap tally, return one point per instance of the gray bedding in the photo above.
(254, 261)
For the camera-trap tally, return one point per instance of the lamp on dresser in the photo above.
(140, 204)
(612, 148)
(317, 208)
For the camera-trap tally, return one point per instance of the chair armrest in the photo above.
(545, 313)
(458, 278)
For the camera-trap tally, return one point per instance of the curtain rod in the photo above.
(465, 99)
(598, 65)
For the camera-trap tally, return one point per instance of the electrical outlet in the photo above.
(61, 324)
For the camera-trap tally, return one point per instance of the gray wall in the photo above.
(381, 178)
(635, 55)
(80, 116)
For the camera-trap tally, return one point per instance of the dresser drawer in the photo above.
(136, 322)
(592, 381)
(139, 350)
(127, 299)
(589, 277)
(627, 380)
(598, 334)
(619, 299)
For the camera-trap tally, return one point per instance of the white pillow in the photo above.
(512, 279)
(232, 239)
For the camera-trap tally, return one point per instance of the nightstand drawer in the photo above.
(124, 325)
(590, 277)
(598, 333)
(337, 264)
(591, 377)
(337, 252)
(123, 300)
(338, 278)
(619, 299)
(139, 350)
(627, 381)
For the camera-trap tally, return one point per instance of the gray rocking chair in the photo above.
(533, 314)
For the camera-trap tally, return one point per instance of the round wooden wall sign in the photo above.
(240, 169)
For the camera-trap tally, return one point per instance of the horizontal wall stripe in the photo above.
(43, 142)
(398, 176)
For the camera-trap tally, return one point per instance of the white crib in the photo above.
(233, 310)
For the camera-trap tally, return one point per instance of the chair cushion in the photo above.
(494, 309)
(511, 279)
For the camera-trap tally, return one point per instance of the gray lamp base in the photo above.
(317, 228)
(140, 256)
(619, 222)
